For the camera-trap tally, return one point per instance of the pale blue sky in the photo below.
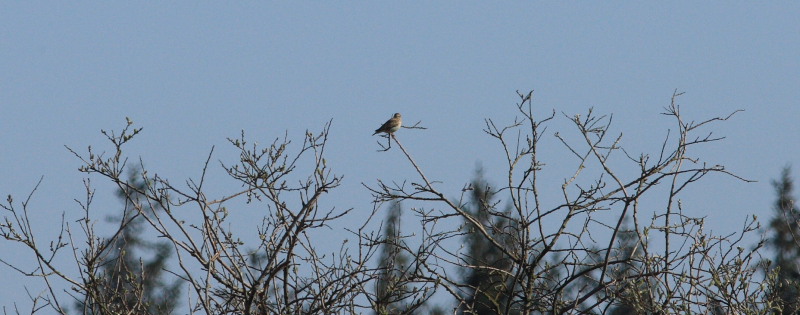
(193, 74)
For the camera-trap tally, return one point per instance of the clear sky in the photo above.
(194, 73)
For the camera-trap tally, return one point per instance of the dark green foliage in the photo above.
(784, 239)
(391, 292)
(132, 268)
(488, 286)
(632, 296)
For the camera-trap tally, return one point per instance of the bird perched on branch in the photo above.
(391, 125)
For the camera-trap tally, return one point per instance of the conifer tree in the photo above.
(390, 290)
(632, 297)
(132, 269)
(784, 239)
(488, 287)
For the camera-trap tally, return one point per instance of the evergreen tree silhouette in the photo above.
(131, 270)
(390, 290)
(784, 239)
(489, 289)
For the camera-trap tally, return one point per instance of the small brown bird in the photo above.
(391, 125)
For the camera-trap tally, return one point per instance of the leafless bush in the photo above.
(283, 274)
(566, 257)
(576, 255)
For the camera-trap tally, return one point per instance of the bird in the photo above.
(391, 125)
